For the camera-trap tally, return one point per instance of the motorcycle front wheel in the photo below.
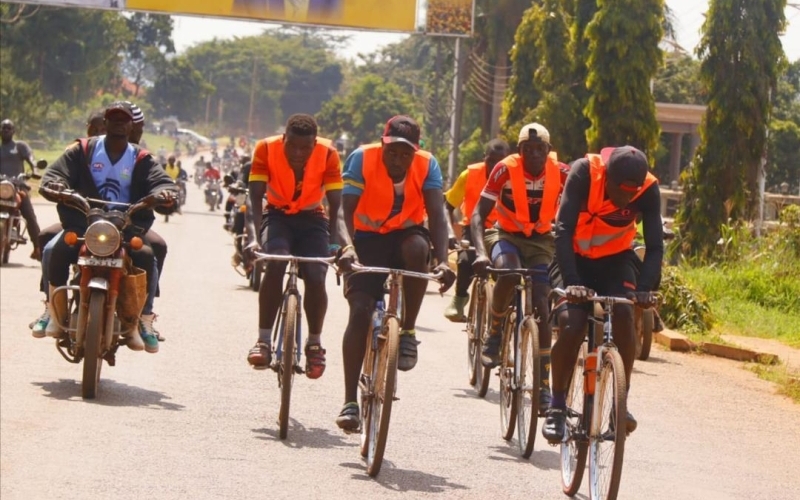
(92, 341)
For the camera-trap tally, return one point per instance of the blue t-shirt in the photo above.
(353, 177)
(113, 180)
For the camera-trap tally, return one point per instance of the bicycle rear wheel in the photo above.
(286, 366)
(528, 386)
(508, 396)
(644, 320)
(385, 385)
(575, 446)
(479, 375)
(608, 429)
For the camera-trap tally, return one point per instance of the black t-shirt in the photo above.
(573, 201)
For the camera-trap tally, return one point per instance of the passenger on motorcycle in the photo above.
(13, 156)
(595, 229)
(465, 193)
(295, 170)
(110, 168)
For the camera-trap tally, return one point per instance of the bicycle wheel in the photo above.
(508, 396)
(574, 448)
(366, 385)
(607, 435)
(474, 320)
(286, 366)
(528, 386)
(479, 375)
(644, 321)
(385, 385)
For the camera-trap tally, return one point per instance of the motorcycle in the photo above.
(12, 224)
(107, 291)
(213, 194)
(239, 224)
(181, 196)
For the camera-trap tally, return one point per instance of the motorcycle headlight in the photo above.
(7, 190)
(102, 238)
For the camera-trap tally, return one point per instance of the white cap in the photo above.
(535, 130)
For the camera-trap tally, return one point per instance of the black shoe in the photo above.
(544, 399)
(408, 352)
(631, 424)
(349, 419)
(555, 425)
(490, 354)
(658, 325)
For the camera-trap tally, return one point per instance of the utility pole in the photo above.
(252, 98)
(458, 108)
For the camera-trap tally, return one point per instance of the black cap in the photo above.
(402, 129)
(119, 106)
(625, 165)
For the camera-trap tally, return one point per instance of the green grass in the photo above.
(788, 383)
(153, 141)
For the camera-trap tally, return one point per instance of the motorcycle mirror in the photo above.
(41, 164)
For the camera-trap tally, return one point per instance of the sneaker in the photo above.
(490, 353)
(315, 361)
(658, 325)
(555, 425)
(147, 333)
(39, 326)
(545, 397)
(349, 419)
(455, 311)
(260, 356)
(631, 423)
(408, 352)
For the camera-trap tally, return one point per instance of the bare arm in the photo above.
(257, 190)
(477, 223)
(438, 224)
(349, 205)
(334, 198)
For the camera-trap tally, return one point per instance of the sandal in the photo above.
(260, 356)
(408, 352)
(315, 361)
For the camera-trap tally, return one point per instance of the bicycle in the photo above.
(520, 366)
(477, 331)
(592, 421)
(378, 381)
(285, 345)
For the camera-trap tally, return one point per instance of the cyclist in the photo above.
(465, 194)
(295, 170)
(525, 188)
(596, 225)
(388, 189)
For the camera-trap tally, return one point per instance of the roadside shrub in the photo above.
(684, 307)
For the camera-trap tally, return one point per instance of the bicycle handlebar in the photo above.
(358, 268)
(598, 298)
(289, 258)
(522, 271)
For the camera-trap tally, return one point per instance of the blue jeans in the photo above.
(47, 253)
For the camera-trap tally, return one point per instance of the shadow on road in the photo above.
(15, 265)
(110, 393)
(404, 480)
(541, 459)
(492, 396)
(301, 437)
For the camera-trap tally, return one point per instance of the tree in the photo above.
(623, 57)
(180, 90)
(742, 59)
(151, 41)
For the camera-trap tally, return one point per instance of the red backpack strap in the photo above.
(141, 153)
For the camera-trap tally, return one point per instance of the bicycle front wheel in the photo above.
(528, 386)
(385, 383)
(508, 395)
(286, 367)
(477, 331)
(575, 446)
(608, 429)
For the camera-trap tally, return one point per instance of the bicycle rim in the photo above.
(529, 383)
(286, 370)
(473, 335)
(574, 448)
(607, 437)
(508, 396)
(385, 384)
(367, 388)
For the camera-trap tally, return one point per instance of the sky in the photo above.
(189, 31)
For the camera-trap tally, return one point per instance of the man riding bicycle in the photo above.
(465, 193)
(525, 188)
(295, 170)
(388, 189)
(596, 225)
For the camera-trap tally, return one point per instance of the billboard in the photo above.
(437, 17)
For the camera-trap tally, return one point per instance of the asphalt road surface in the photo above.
(195, 421)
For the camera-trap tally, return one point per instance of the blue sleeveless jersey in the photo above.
(113, 181)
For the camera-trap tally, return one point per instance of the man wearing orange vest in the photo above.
(525, 188)
(465, 194)
(389, 187)
(596, 225)
(295, 170)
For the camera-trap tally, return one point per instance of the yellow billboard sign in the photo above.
(383, 15)
(449, 17)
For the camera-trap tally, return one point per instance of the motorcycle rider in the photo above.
(112, 168)
(210, 175)
(178, 175)
(13, 156)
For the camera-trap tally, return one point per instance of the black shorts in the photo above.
(305, 234)
(380, 250)
(614, 275)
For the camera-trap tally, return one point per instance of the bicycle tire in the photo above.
(367, 387)
(473, 333)
(508, 396)
(610, 390)
(644, 333)
(528, 386)
(385, 385)
(286, 370)
(575, 448)
(92, 341)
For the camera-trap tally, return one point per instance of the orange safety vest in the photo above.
(519, 221)
(375, 204)
(476, 180)
(282, 182)
(593, 237)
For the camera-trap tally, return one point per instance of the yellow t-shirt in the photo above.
(173, 171)
(455, 195)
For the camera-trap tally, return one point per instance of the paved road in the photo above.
(194, 421)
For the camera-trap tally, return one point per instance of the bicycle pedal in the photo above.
(395, 398)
